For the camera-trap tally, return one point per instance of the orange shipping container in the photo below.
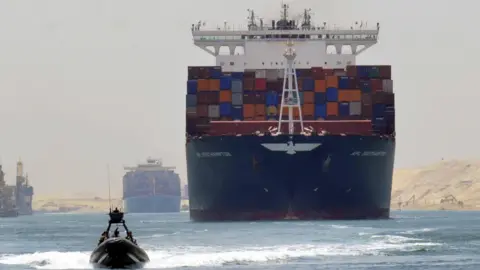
(260, 110)
(214, 85)
(308, 109)
(320, 85)
(308, 97)
(349, 95)
(225, 96)
(332, 108)
(332, 81)
(259, 118)
(203, 85)
(248, 110)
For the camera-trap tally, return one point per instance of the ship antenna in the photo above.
(290, 94)
(252, 23)
(109, 197)
(285, 12)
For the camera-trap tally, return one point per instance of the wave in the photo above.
(219, 256)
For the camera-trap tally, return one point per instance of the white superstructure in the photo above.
(263, 44)
(151, 165)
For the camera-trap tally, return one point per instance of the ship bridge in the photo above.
(262, 44)
(151, 165)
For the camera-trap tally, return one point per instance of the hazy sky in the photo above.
(88, 82)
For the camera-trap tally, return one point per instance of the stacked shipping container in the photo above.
(356, 93)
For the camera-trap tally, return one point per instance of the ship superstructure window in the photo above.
(232, 63)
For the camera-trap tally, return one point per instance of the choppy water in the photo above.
(411, 240)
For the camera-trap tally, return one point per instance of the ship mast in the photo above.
(290, 94)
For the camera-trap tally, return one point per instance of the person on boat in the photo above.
(103, 237)
(130, 237)
(116, 210)
(116, 233)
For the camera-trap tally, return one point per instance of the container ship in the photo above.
(151, 188)
(289, 126)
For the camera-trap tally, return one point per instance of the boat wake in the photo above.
(376, 245)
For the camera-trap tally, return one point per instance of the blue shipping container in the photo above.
(225, 83)
(343, 82)
(363, 71)
(344, 109)
(192, 86)
(272, 98)
(365, 86)
(237, 75)
(320, 98)
(237, 113)
(308, 84)
(320, 111)
(332, 94)
(225, 109)
(191, 100)
(215, 73)
(378, 110)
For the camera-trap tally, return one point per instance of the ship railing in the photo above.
(273, 38)
(329, 29)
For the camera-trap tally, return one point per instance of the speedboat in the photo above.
(118, 252)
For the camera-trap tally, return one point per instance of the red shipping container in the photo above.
(260, 98)
(260, 84)
(249, 74)
(249, 98)
(385, 72)
(367, 99)
(202, 110)
(377, 85)
(208, 98)
(328, 72)
(383, 98)
(309, 97)
(367, 111)
(248, 84)
(351, 71)
(318, 73)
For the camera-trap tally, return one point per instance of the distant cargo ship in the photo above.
(15, 199)
(291, 128)
(151, 188)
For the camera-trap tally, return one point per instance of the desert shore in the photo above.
(447, 185)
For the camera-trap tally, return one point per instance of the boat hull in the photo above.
(152, 204)
(235, 178)
(118, 253)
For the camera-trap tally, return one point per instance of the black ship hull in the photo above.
(240, 178)
(118, 253)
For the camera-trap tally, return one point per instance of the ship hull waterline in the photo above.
(245, 178)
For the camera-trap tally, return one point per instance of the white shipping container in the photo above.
(237, 86)
(272, 74)
(213, 111)
(355, 108)
(280, 73)
(260, 73)
(237, 99)
(387, 86)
